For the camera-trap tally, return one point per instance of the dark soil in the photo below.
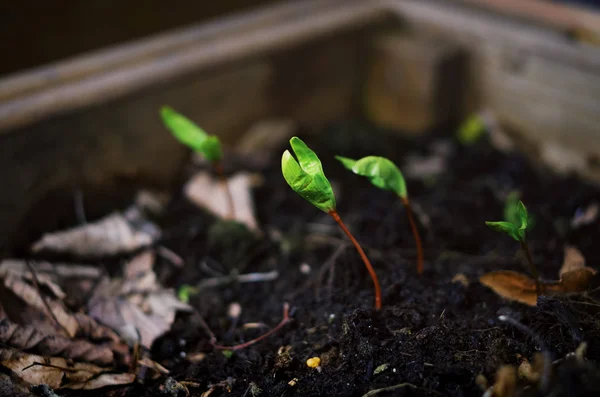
(433, 334)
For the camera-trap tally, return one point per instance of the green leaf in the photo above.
(523, 218)
(185, 291)
(211, 148)
(509, 228)
(382, 173)
(191, 135)
(471, 130)
(306, 176)
(512, 209)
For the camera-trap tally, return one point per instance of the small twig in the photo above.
(238, 278)
(213, 338)
(170, 256)
(43, 298)
(394, 387)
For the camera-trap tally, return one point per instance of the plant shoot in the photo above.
(306, 178)
(194, 137)
(517, 230)
(384, 174)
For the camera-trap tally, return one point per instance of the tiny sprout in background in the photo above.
(384, 174)
(471, 130)
(194, 137)
(517, 230)
(306, 178)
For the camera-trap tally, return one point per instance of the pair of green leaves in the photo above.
(191, 135)
(306, 176)
(517, 228)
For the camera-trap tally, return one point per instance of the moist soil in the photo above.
(435, 333)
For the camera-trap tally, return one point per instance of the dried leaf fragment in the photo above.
(59, 373)
(519, 287)
(136, 304)
(206, 192)
(114, 234)
(574, 260)
(25, 337)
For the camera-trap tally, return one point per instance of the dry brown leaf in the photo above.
(25, 337)
(24, 368)
(136, 304)
(506, 382)
(30, 295)
(577, 280)
(206, 192)
(521, 288)
(100, 381)
(574, 260)
(511, 285)
(114, 234)
(59, 373)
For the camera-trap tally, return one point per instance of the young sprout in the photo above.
(517, 231)
(306, 178)
(194, 137)
(384, 174)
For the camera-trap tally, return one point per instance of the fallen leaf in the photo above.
(59, 373)
(26, 337)
(519, 287)
(577, 280)
(511, 285)
(30, 295)
(136, 306)
(21, 365)
(100, 381)
(574, 260)
(208, 193)
(114, 234)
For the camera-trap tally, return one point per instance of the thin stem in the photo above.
(219, 169)
(533, 269)
(415, 232)
(284, 321)
(36, 283)
(362, 254)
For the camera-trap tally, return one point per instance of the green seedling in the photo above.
(471, 130)
(511, 211)
(517, 230)
(194, 137)
(384, 174)
(306, 178)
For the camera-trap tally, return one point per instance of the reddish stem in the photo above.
(415, 232)
(284, 321)
(219, 168)
(532, 268)
(337, 218)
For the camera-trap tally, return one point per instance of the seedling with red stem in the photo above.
(516, 229)
(306, 178)
(384, 174)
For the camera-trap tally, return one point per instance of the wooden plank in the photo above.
(537, 81)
